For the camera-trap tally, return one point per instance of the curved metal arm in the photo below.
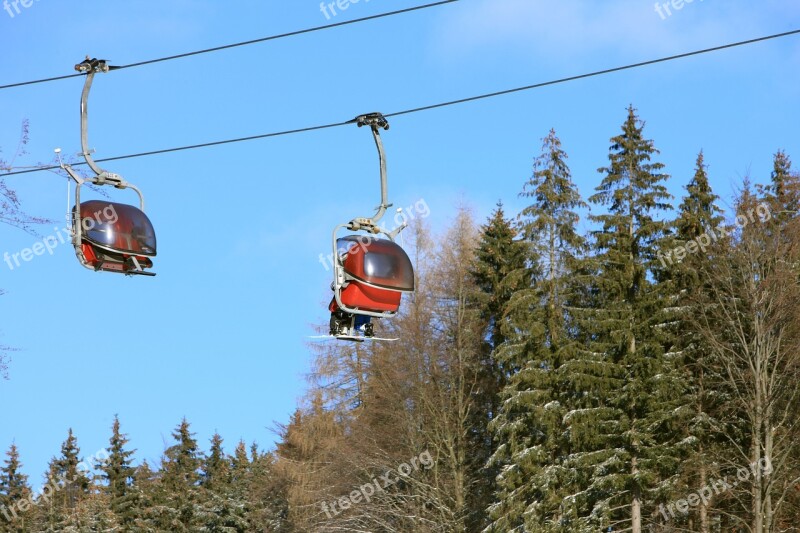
(384, 182)
(376, 122)
(92, 67)
(102, 177)
(87, 87)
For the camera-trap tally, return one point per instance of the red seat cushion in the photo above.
(369, 298)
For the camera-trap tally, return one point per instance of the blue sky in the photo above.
(220, 335)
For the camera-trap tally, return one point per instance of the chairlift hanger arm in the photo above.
(102, 177)
(376, 122)
(92, 67)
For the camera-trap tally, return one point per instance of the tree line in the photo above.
(188, 491)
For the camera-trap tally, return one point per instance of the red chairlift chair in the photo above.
(377, 272)
(123, 241)
(107, 236)
(370, 274)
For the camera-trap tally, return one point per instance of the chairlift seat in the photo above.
(377, 272)
(116, 237)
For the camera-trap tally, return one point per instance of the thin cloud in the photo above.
(557, 30)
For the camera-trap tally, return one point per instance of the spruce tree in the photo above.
(216, 468)
(223, 514)
(118, 473)
(240, 464)
(783, 192)
(51, 505)
(622, 431)
(67, 472)
(147, 498)
(700, 222)
(14, 489)
(698, 212)
(182, 463)
(179, 496)
(65, 487)
(94, 514)
(529, 439)
(224, 507)
(499, 270)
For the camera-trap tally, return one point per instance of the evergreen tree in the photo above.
(240, 464)
(216, 468)
(182, 462)
(94, 514)
(527, 428)
(622, 431)
(14, 490)
(219, 513)
(268, 507)
(169, 499)
(698, 213)
(225, 508)
(147, 497)
(179, 496)
(700, 222)
(255, 453)
(52, 509)
(499, 270)
(67, 472)
(118, 475)
(783, 192)
(65, 487)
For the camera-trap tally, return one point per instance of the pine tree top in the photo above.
(633, 190)
(555, 196)
(783, 192)
(13, 482)
(499, 269)
(117, 469)
(698, 211)
(183, 459)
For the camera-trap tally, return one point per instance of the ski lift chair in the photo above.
(370, 274)
(109, 237)
(123, 241)
(376, 274)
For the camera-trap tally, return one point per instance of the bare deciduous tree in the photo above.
(750, 319)
(380, 406)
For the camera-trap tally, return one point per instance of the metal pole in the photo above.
(85, 124)
(375, 121)
(384, 181)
